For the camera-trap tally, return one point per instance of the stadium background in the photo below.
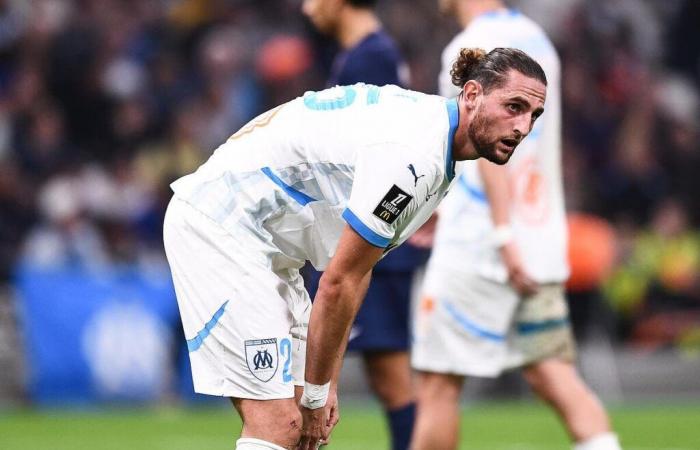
(104, 102)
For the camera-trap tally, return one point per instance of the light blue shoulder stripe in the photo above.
(197, 341)
(453, 115)
(472, 327)
(299, 196)
(363, 230)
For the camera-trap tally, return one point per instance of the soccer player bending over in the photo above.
(337, 177)
(380, 332)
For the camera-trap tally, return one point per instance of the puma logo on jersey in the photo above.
(416, 177)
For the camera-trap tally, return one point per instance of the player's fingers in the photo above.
(309, 440)
(333, 419)
(302, 443)
(308, 443)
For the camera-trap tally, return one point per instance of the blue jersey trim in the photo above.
(538, 327)
(299, 196)
(363, 230)
(197, 341)
(472, 327)
(475, 193)
(453, 115)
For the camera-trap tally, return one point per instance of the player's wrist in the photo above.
(502, 235)
(315, 395)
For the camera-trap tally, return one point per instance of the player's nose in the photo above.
(522, 125)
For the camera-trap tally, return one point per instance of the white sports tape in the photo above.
(315, 396)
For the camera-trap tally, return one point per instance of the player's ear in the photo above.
(471, 91)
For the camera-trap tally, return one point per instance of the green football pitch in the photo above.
(485, 426)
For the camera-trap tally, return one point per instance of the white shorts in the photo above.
(244, 318)
(469, 325)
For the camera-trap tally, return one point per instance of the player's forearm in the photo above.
(497, 189)
(335, 307)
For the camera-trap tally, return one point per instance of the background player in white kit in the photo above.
(329, 178)
(503, 306)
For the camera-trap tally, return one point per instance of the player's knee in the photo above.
(281, 426)
(289, 425)
(390, 390)
(536, 378)
(545, 376)
(438, 387)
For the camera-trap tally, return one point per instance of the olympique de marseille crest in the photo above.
(261, 357)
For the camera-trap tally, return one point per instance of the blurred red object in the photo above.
(591, 251)
(282, 58)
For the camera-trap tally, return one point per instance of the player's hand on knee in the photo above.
(333, 416)
(313, 428)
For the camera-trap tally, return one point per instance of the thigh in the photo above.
(238, 315)
(541, 329)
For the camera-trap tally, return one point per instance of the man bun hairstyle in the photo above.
(491, 69)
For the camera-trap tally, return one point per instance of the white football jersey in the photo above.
(377, 158)
(537, 212)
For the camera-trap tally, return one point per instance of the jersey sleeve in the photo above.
(385, 192)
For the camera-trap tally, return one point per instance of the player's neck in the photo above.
(468, 11)
(355, 25)
(462, 146)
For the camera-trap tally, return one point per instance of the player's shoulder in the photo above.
(407, 101)
(413, 114)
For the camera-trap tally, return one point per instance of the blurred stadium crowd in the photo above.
(104, 102)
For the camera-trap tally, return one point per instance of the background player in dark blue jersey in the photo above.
(380, 331)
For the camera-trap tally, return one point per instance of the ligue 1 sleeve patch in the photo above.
(392, 205)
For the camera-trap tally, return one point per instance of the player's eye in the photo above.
(514, 107)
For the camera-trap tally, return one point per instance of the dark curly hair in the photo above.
(490, 69)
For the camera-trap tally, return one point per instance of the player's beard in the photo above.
(484, 143)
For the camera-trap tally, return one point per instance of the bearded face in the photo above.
(503, 116)
(491, 143)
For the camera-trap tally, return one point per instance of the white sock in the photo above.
(256, 444)
(604, 441)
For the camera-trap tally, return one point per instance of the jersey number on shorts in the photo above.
(286, 352)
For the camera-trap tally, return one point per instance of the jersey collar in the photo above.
(453, 116)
